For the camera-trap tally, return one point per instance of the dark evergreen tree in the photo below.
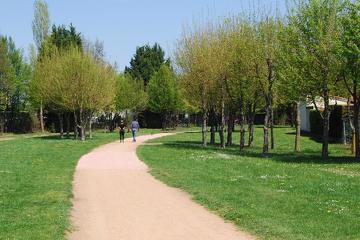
(63, 38)
(146, 61)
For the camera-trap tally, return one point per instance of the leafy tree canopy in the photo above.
(163, 91)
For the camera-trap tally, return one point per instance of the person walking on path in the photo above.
(134, 128)
(122, 131)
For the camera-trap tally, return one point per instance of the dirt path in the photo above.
(116, 198)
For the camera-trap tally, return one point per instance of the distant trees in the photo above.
(226, 67)
(349, 54)
(130, 95)
(40, 27)
(75, 82)
(164, 95)
(194, 60)
(15, 76)
(146, 61)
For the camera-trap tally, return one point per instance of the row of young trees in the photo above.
(246, 64)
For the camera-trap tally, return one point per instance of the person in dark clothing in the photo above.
(134, 128)
(122, 131)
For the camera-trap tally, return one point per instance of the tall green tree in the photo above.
(76, 82)
(266, 44)
(292, 83)
(164, 95)
(40, 27)
(146, 61)
(194, 59)
(130, 95)
(241, 85)
(5, 74)
(349, 53)
(317, 25)
(15, 75)
(64, 38)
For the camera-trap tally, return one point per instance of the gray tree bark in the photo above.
(298, 127)
(61, 124)
(42, 118)
(222, 122)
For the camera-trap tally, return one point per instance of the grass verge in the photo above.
(36, 176)
(283, 196)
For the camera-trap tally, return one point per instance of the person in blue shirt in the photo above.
(135, 127)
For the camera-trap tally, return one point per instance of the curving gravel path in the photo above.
(116, 198)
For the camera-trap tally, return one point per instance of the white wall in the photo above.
(305, 117)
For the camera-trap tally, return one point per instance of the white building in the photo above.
(305, 108)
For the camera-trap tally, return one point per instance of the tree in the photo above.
(193, 57)
(61, 39)
(221, 50)
(242, 85)
(15, 74)
(349, 53)
(41, 22)
(130, 95)
(5, 74)
(266, 44)
(96, 49)
(316, 23)
(64, 38)
(40, 27)
(146, 61)
(292, 84)
(76, 82)
(163, 94)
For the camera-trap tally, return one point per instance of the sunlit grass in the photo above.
(36, 176)
(283, 196)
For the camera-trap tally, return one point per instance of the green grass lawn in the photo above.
(283, 196)
(36, 183)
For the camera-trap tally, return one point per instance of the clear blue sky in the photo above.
(123, 24)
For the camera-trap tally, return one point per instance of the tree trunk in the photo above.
(266, 129)
(2, 123)
(292, 118)
(356, 128)
(268, 106)
(298, 127)
(230, 129)
(75, 126)
(326, 120)
(242, 129)
(272, 129)
(222, 121)
(212, 135)
(251, 120)
(61, 124)
(204, 128)
(42, 118)
(90, 128)
(82, 125)
(251, 134)
(212, 121)
(67, 116)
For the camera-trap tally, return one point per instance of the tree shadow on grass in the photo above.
(308, 157)
(57, 137)
(313, 137)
